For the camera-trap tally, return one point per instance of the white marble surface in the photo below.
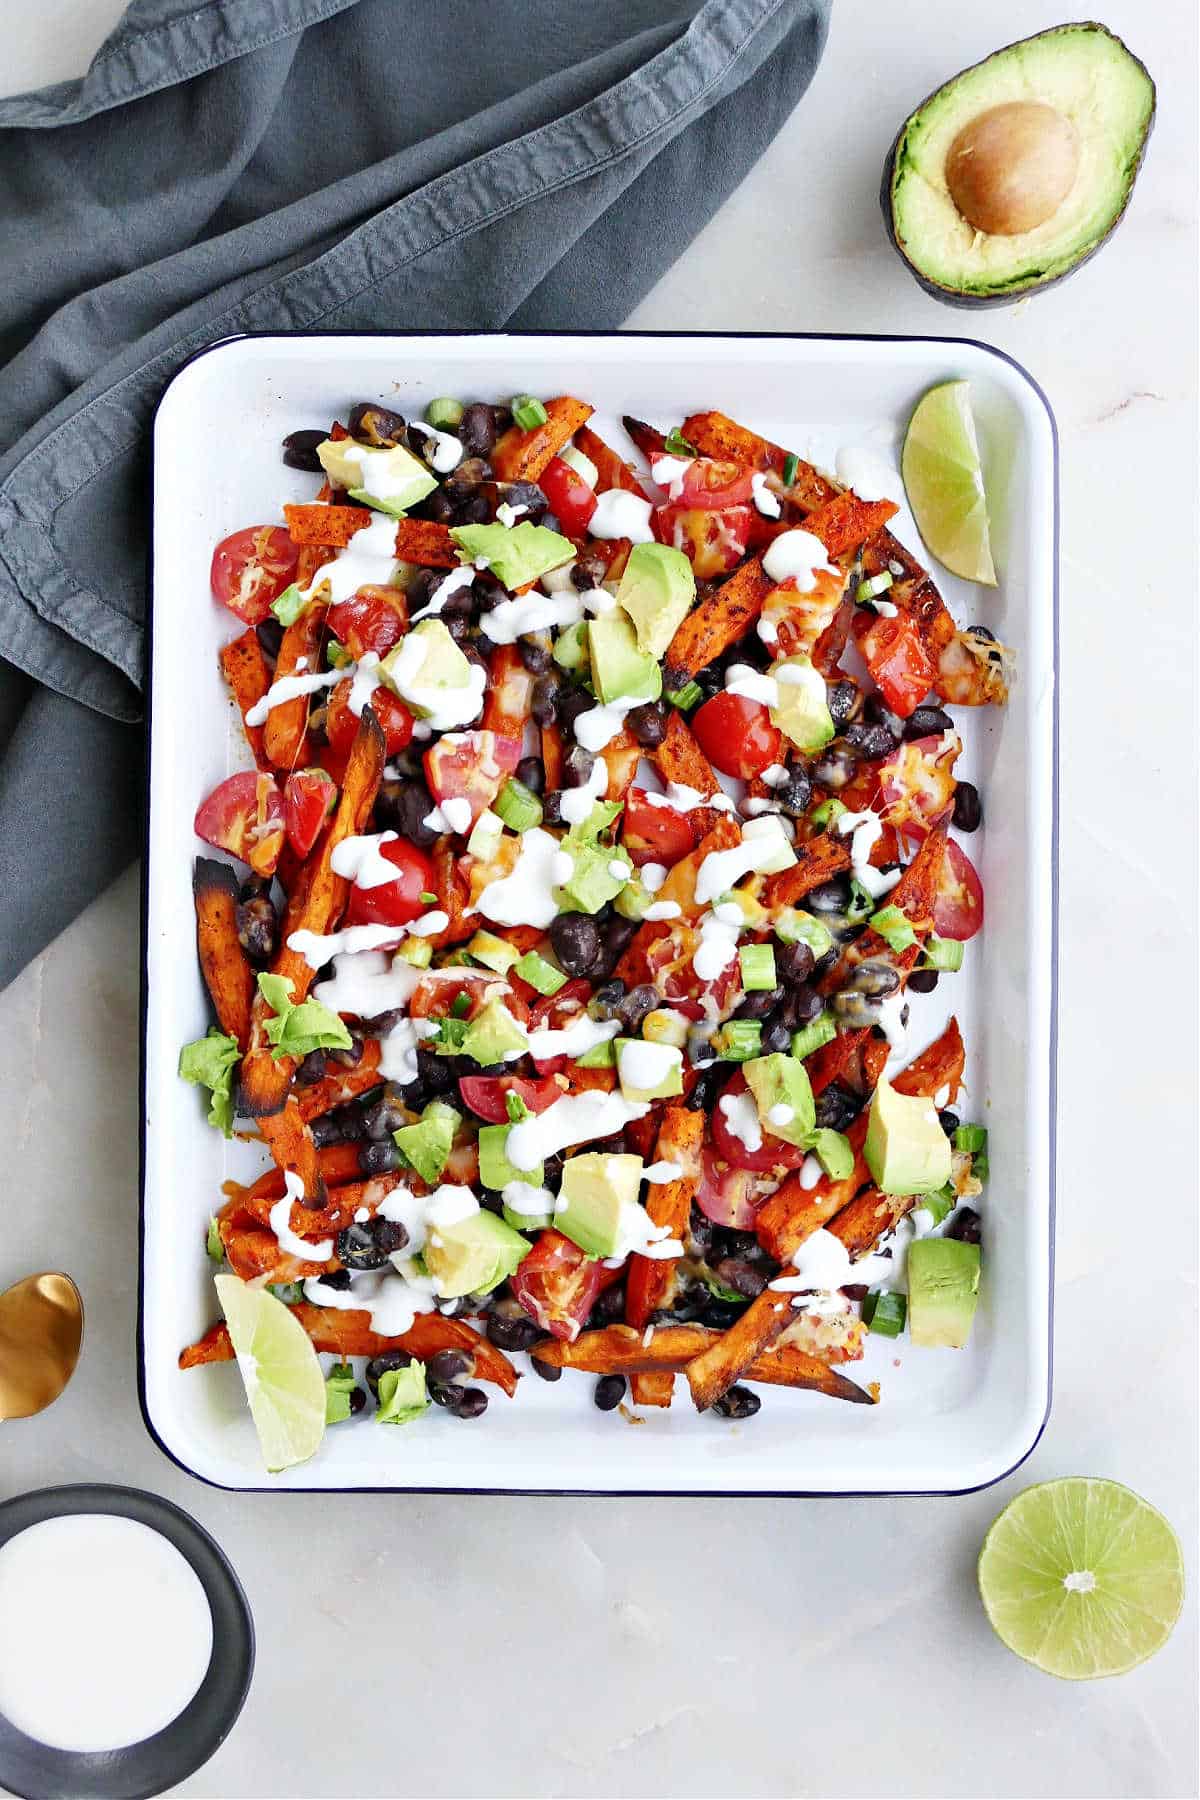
(460, 1647)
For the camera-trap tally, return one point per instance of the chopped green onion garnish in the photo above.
(794, 926)
(518, 805)
(336, 655)
(426, 898)
(758, 967)
(516, 1108)
(971, 1138)
(893, 927)
(873, 585)
(528, 413)
(675, 444)
(981, 1166)
(539, 973)
(444, 414)
(212, 1242)
(861, 902)
(600, 1056)
(461, 1006)
(718, 1291)
(290, 604)
(686, 697)
(290, 1292)
(885, 1312)
(943, 953)
(939, 1206)
(791, 463)
(811, 1037)
(738, 1040)
(449, 1036)
(827, 812)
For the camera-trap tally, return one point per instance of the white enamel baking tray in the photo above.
(949, 1421)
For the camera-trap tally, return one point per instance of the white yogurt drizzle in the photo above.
(762, 842)
(867, 829)
(577, 803)
(533, 611)
(644, 1065)
(822, 1264)
(767, 503)
(575, 1040)
(659, 1173)
(361, 860)
(719, 932)
(620, 514)
(741, 1116)
(367, 984)
(455, 579)
(280, 1216)
(526, 896)
(290, 687)
(447, 450)
(575, 1119)
(796, 556)
(597, 727)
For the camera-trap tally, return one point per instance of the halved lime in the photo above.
(1081, 1577)
(284, 1384)
(944, 482)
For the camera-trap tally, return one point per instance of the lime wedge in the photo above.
(284, 1384)
(1081, 1578)
(944, 482)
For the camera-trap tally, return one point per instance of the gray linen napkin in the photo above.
(249, 165)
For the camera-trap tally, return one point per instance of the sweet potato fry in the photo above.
(426, 542)
(845, 523)
(818, 860)
(621, 759)
(680, 758)
(338, 1085)
(331, 527)
(245, 669)
(552, 756)
(290, 1140)
(654, 1388)
(651, 1280)
(284, 731)
(611, 470)
(452, 885)
(349, 1334)
(648, 438)
(315, 904)
(717, 622)
(619, 1350)
(509, 696)
(869, 1216)
(227, 975)
(914, 895)
(522, 455)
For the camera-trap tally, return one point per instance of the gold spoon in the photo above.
(41, 1329)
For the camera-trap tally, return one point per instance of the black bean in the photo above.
(757, 1005)
(703, 1096)
(269, 633)
(375, 424)
(606, 999)
(529, 495)
(949, 1121)
(576, 942)
(357, 1400)
(737, 1402)
(794, 961)
(311, 1069)
(700, 1231)
(535, 654)
(439, 507)
(531, 772)
(350, 1057)
(927, 721)
(415, 1096)
(477, 429)
(516, 1331)
(590, 569)
(874, 979)
(968, 808)
(578, 766)
(727, 1240)
(368, 1246)
(325, 1131)
(386, 1115)
(379, 1159)
(856, 1290)
(648, 724)
(544, 705)
(965, 1225)
(547, 1371)
(824, 963)
(776, 1036)
(464, 480)
(710, 681)
(435, 1072)
(632, 1009)
(460, 1402)
(610, 1305)
(552, 807)
(488, 590)
(878, 714)
(403, 806)
(448, 1365)
(831, 897)
(573, 701)
(258, 928)
(459, 629)
(475, 509)
(923, 981)
(743, 1277)
(837, 1107)
(836, 766)
(982, 631)
(552, 1171)
(609, 1392)
(795, 796)
(300, 450)
(720, 1314)
(872, 741)
(845, 703)
(422, 587)
(459, 604)
(339, 1280)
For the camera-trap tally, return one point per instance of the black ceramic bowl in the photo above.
(36, 1771)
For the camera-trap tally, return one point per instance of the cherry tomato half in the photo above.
(558, 1285)
(571, 499)
(244, 815)
(654, 833)
(774, 1154)
(737, 736)
(713, 541)
(309, 796)
(713, 485)
(485, 1094)
(251, 568)
(916, 785)
(958, 903)
(394, 902)
(898, 661)
(375, 618)
(341, 725)
(471, 766)
(725, 1194)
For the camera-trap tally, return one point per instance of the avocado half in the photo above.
(1077, 107)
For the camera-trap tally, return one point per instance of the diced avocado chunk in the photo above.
(592, 884)
(495, 1170)
(783, 1095)
(427, 1144)
(832, 1150)
(527, 1221)
(619, 669)
(943, 1291)
(571, 649)
(473, 1255)
(493, 1035)
(600, 1056)
(803, 711)
(493, 952)
(390, 480)
(427, 659)
(597, 1189)
(514, 553)
(648, 1071)
(657, 591)
(906, 1150)
(402, 1395)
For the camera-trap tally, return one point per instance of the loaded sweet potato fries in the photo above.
(596, 837)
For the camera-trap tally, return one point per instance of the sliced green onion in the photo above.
(675, 444)
(719, 1291)
(794, 926)
(539, 973)
(981, 1166)
(461, 1006)
(486, 833)
(417, 951)
(686, 697)
(444, 414)
(861, 902)
(791, 463)
(290, 1292)
(600, 1056)
(518, 805)
(893, 927)
(971, 1138)
(516, 1108)
(940, 1205)
(427, 898)
(810, 1037)
(290, 604)
(885, 1312)
(738, 1040)
(758, 967)
(449, 1036)
(212, 1242)
(336, 655)
(873, 585)
(827, 812)
(943, 953)
(528, 413)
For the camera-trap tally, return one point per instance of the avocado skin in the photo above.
(1009, 296)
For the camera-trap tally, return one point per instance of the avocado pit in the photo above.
(1010, 168)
